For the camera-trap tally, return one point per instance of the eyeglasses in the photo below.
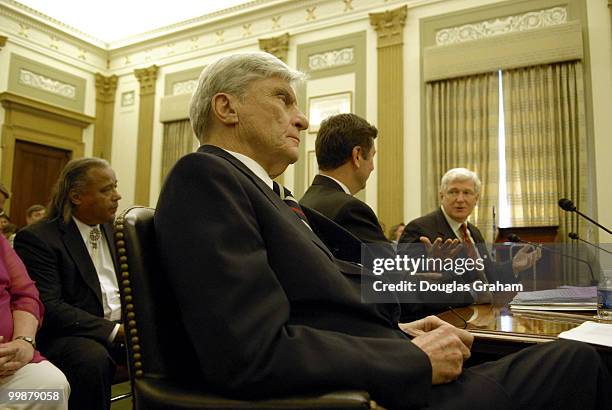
(454, 193)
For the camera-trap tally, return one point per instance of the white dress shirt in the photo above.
(344, 187)
(103, 262)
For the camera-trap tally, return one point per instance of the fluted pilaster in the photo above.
(106, 88)
(389, 26)
(147, 78)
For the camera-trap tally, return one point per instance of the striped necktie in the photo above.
(467, 242)
(291, 202)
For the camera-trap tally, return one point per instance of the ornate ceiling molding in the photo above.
(504, 25)
(277, 46)
(389, 26)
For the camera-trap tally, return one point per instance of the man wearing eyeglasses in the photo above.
(447, 227)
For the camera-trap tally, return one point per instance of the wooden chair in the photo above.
(164, 369)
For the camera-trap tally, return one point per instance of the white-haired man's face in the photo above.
(459, 199)
(269, 122)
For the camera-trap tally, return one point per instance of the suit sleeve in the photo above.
(236, 311)
(61, 318)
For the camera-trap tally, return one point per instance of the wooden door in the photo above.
(35, 170)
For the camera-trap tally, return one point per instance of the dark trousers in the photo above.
(89, 368)
(556, 375)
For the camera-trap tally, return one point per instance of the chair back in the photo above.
(157, 344)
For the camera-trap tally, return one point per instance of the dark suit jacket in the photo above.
(58, 261)
(434, 225)
(327, 197)
(265, 306)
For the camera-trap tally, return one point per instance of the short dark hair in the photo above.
(73, 177)
(337, 137)
(34, 208)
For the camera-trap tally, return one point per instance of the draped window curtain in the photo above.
(546, 153)
(178, 141)
(462, 131)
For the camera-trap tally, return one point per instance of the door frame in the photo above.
(41, 123)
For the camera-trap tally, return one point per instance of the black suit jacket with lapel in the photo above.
(327, 197)
(434, 225)
(58, 261)
(265, 306)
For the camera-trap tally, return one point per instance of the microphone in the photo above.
(568, 205)
(515, 238)
(575, 236)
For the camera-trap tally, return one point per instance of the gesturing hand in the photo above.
(525, 258)
(441, 249)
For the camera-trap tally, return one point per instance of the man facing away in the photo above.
(345, 154)
(271, 313)
(71, 257)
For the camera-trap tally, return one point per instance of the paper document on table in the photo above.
(590, 332)
(564, 294)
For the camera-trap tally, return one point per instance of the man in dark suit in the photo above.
(270, 312)
(71, 257)
(345, 154)
(459, 193)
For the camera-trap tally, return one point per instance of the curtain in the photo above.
(178, 141)
(546, 152)
(462, 131)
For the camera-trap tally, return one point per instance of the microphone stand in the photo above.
(592, 221)
(575, 236)
(515, 238)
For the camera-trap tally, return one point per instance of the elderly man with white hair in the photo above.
(448, 226)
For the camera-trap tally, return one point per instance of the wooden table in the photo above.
(498, 331)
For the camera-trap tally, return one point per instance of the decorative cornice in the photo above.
(106, 88)
(3, 41)
(510, 24)
(277, 46)
(389, 26)
(147, 77)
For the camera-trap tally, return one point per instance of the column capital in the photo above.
(277, 46)
(3, 41)
(389, 26)
(106, 87)
(147, 77)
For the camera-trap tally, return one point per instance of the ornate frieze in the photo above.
(277, 46)
(106, 87)
(184, 87)
(389, 26)
(504, 25)
(147, 77)
(50, 85)
(329, 59)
